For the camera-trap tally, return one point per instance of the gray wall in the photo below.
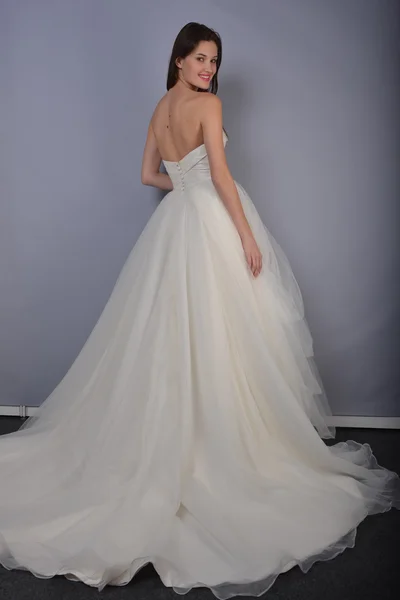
(309, 89)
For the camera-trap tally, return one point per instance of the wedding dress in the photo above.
(188, 431)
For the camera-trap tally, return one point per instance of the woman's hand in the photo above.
(252, 254)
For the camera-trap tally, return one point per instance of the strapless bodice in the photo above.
(192, 169)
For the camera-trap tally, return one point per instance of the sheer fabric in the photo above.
(189, 430)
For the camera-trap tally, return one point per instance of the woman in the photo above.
(188, 432)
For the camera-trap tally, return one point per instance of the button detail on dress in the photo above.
(181, 176)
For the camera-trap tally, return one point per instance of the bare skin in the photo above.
(183, 120)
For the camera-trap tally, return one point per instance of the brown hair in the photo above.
(186, 41)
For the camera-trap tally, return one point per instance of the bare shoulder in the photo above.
(211, 117)
(158, 106)
(210, 97)
(210, 101)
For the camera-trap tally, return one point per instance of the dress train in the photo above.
(189, 430)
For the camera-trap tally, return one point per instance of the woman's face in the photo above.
(199, 67)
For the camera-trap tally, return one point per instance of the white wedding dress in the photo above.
(187, 433)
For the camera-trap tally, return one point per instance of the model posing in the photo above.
(188, 431)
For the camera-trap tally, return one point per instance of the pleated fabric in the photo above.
(189, 431)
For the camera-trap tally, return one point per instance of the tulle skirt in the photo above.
(189, 430)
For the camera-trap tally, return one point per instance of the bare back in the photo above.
(176, 124)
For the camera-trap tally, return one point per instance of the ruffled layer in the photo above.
(188, 431)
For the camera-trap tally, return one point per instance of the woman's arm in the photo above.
(159, 180)
(211, 122)
(151, 162)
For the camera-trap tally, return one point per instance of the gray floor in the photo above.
(369, 571)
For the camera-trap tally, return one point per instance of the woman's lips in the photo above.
(204, 78)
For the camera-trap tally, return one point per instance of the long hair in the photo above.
(186, 41)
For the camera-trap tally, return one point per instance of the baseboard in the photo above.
(356, 421)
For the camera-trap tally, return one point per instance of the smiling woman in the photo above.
(189, 430)
(176, 127)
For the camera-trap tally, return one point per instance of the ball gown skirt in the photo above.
(188, 433)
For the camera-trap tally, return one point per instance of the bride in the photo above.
(188, 433)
